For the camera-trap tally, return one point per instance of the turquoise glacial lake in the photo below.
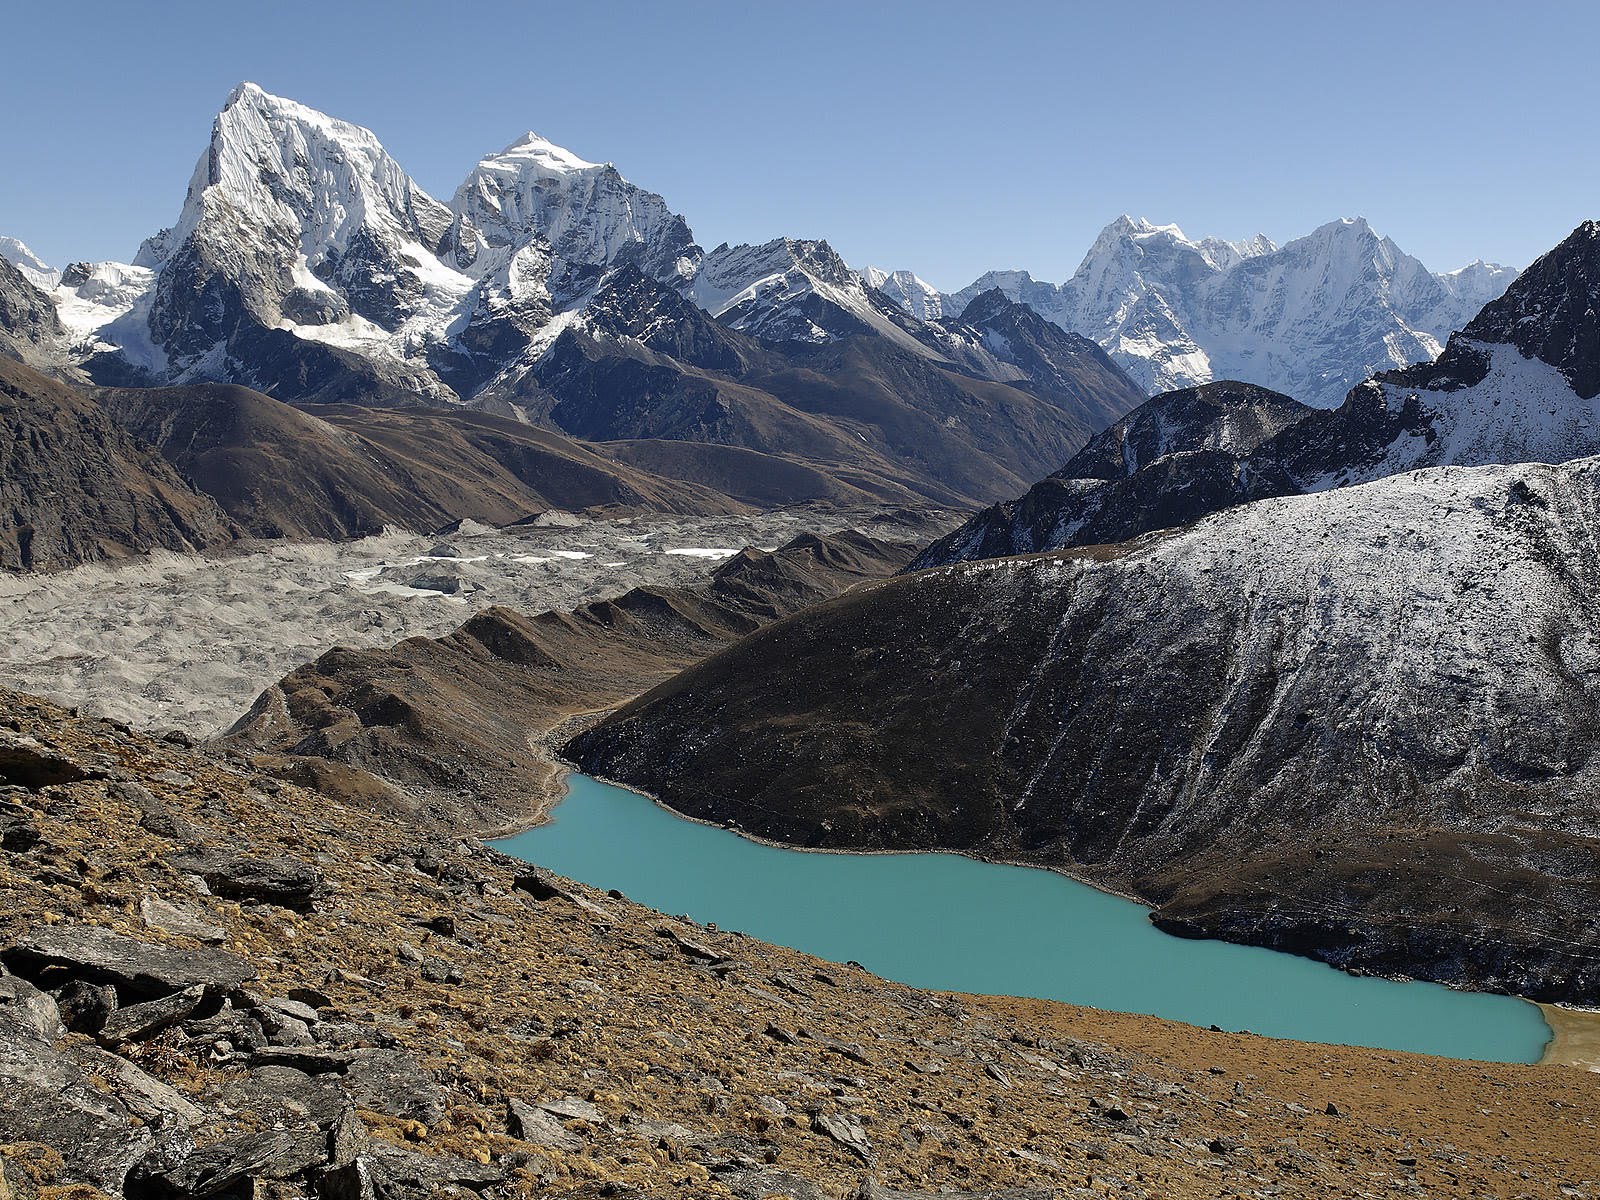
(948, 923)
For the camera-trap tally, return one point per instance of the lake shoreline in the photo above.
(1556, 1047)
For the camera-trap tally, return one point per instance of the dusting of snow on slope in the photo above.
(1311, 318)
(789, 290)
(1523, 410)
(1373, 605)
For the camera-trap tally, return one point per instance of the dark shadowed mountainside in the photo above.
(75, 488)
(346, 471)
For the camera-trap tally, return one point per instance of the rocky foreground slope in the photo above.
(1356, 725)
(216, 984)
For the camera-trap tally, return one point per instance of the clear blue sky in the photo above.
(945, 137)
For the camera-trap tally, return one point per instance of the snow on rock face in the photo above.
(1311, 318)
(586, 213)
(105, 308)
(306, 262)
(300, 222)
(1521, 410)
(538, 228)
(33, 269)
(915, 295)
(1176, 458)
(1553, 311)
(789, 290)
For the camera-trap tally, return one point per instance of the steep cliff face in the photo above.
(304, 260)
(1353, 724)
(75, 488)
(30, 330)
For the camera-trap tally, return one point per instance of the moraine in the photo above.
(951, 923)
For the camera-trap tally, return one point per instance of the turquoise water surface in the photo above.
(945, 922)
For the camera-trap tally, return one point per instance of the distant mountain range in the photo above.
(1519, 383)
(1312, 318)
(307, 264)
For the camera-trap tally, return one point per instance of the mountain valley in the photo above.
(344, 527)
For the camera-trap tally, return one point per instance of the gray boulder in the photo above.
(140, 1022)
(49, 1098)
(229, 1168)
(282, 881)
(169, 918)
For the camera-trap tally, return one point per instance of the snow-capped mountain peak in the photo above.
(33, 268)
(546, 153)
(907, 290)
(275, 164)
(540, 202)
(1311, 318)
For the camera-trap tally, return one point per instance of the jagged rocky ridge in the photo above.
(30, 329)
(1173, 460)
(1354, 724)
(1311, 318)
(1517, 384)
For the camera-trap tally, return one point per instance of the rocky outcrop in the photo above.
(999, 338)
(30, 331)
(1354, 725)
(75, 488)
(1173, 460)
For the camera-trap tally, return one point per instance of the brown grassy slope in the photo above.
(701, 1048)
(346, 471)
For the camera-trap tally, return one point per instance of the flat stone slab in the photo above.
(138, 970)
